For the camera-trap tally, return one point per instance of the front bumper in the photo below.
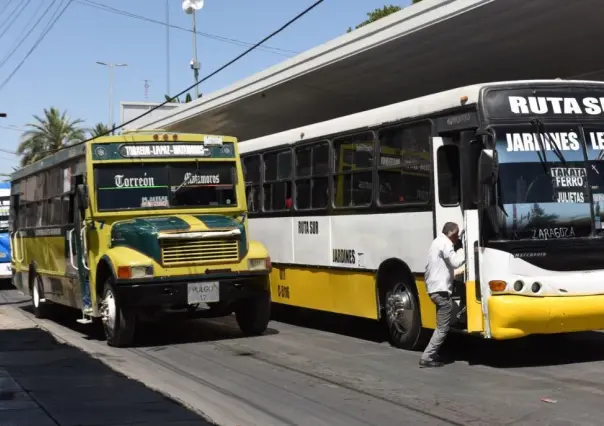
(518, 316)
(172, 291)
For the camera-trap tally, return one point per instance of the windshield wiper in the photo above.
(185, 181)
(543, 160)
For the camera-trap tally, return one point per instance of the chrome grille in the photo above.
(185, 252)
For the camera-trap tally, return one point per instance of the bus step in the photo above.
(85, 320)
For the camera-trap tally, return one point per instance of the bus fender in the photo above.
(104, 270)
(257, 250)
(389, 272)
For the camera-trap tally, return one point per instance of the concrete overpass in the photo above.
(428, 47)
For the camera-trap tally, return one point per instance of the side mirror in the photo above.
(488, 167)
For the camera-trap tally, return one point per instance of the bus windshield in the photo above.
(165, 185)
(549, 197)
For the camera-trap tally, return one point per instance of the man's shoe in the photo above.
(428, 364)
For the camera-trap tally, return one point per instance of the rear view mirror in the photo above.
(488, 167)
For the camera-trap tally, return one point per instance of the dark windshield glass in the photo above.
(144, 186)
(536, 204)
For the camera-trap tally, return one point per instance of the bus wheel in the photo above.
(119, 323)
(40, 308)
(403, 318)
(254, 314)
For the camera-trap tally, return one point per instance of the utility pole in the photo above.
(111, 68)
(168, 48)
(191, 7)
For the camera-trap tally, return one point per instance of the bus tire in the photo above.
(403, 317)
(254, 314)
(119, 323)
(37, 291)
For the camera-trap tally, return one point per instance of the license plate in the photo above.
(207, 292)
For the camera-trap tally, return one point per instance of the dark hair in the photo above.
(450, 228)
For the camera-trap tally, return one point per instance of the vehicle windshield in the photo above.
(551, 197)
(165, 185)
(4, 213)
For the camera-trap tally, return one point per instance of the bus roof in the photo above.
(4, 185)
(418, 107)
(78, 150)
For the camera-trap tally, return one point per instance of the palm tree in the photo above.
(100, 129)
(48, 134)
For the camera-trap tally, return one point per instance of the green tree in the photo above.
(378, 14)
(47, 134)
(100, 129)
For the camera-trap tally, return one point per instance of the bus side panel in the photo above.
(427, 306)
(342, 292)
(48, 254)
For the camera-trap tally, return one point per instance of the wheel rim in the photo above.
(36, 295)
(400, 308)
(108, 310)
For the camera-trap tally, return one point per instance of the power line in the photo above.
(6, 7)
(30, 32)
(23, 33)
(101, 6)
(10, 15)
(46, 30)
(12, 128)
(228, 64)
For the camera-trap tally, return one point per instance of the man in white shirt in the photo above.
(440, 271)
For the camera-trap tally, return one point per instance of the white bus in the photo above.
(348, 208)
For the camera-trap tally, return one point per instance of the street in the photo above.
(323, 370)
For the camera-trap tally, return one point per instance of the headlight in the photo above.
(134, 272)
(259, 264)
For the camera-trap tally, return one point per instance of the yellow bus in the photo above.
(516, 164)
(138, 225)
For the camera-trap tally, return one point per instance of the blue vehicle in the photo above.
(5, 243)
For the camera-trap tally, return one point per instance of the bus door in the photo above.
(448, 204)
(76, 262)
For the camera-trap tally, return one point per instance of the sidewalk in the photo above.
(47, 383)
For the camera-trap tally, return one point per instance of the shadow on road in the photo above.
(527, 352)
(6, 284)
(168, 332)
(354, 327)
(45, 382)
(532, 351)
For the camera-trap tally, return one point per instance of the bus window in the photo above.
(277, 181)
(404, 164)
(353, 175)
(449, 189)
(312, 162)
(251, 171)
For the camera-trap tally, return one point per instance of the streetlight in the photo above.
(190, 7)
(111, 68)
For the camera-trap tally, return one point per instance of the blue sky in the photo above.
(62, 71)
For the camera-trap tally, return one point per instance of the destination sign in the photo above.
(544, 102)
(164, 150)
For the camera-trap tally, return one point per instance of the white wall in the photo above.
(130, 110)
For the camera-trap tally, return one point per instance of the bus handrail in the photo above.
(84, 247)
(69, 239)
